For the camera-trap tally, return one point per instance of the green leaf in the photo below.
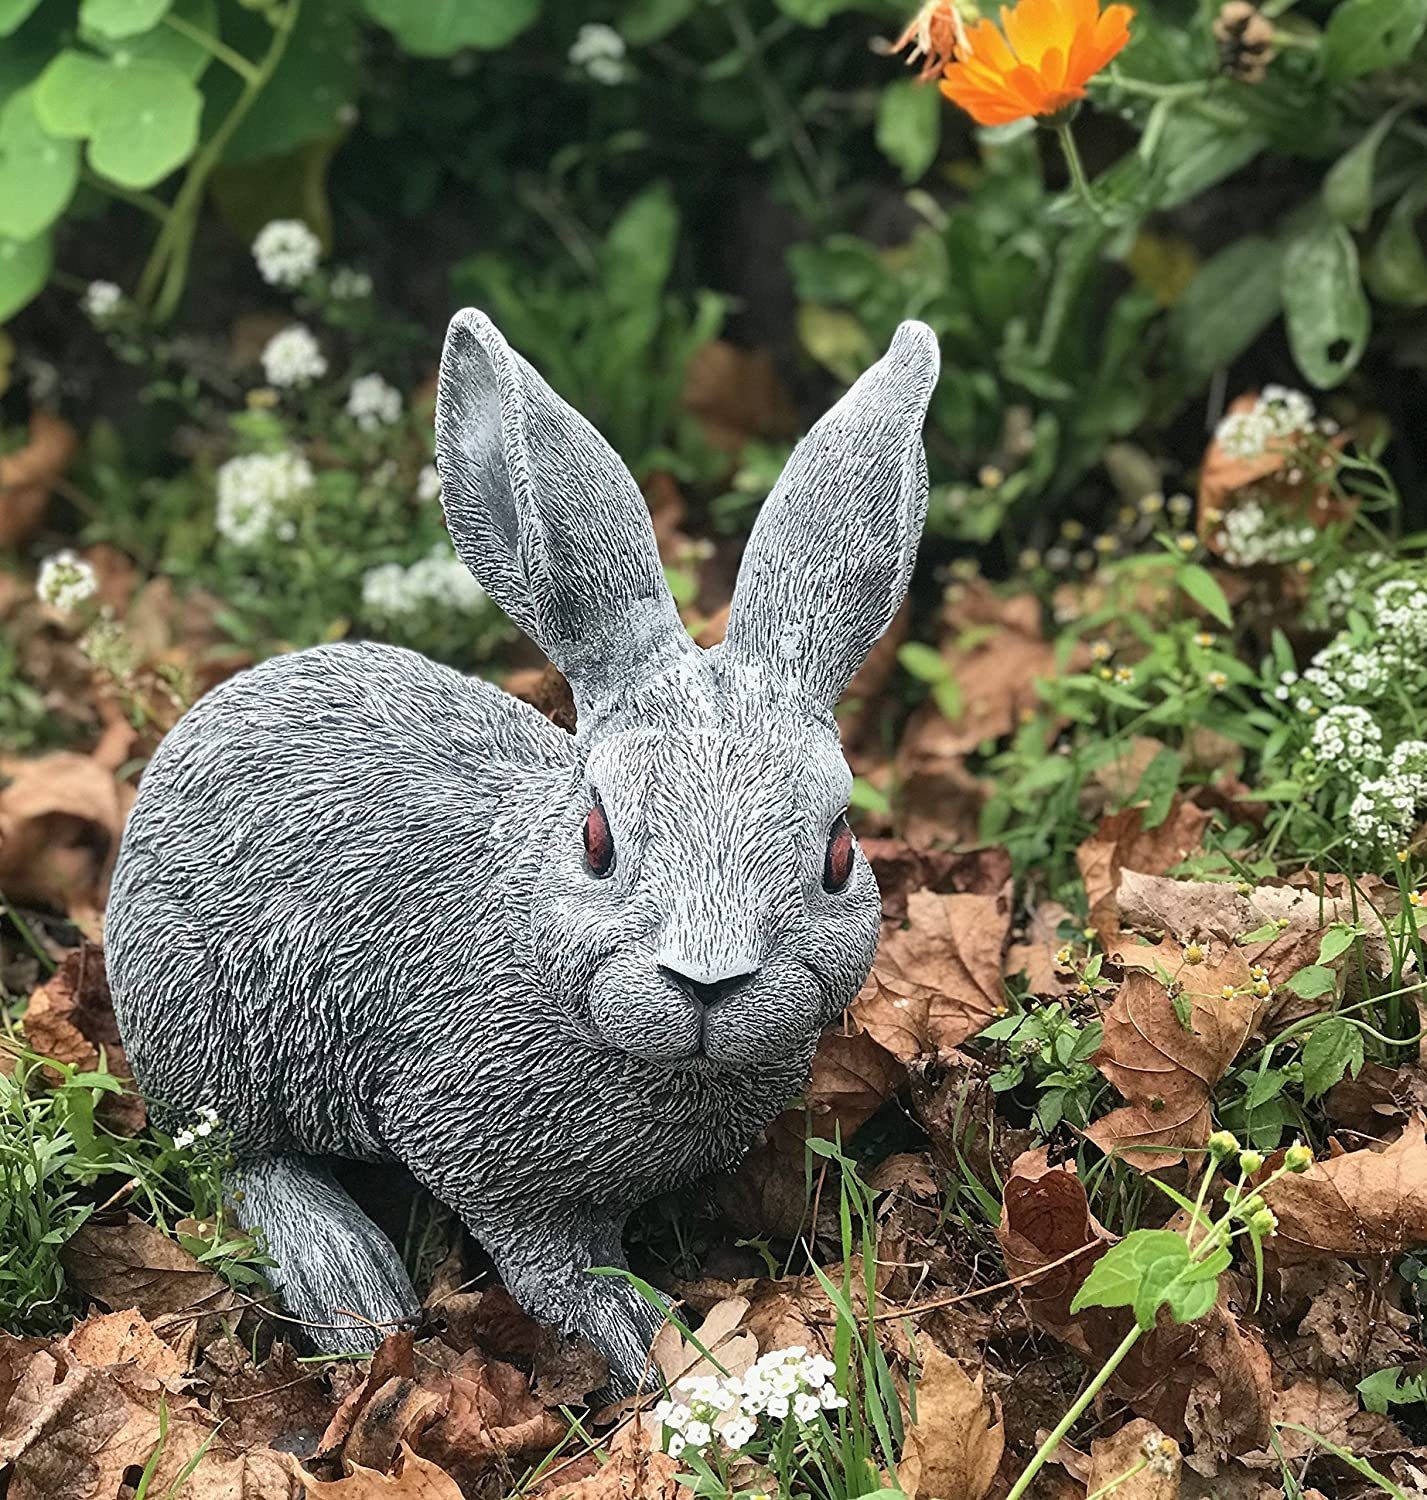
(13, 13)
(1396, 268)
(1151, 1268)
(1311, 983)
(1199, 584)
(1338, 939)
(638, 251)
(1158, 786)
(119, 18)
(644, 21)
(1392, 1387)
(1232, 299)
(24, 269)
(1347, 189)
(1363, 36)
(948, 698)
(438, 28)
(1260, 934)
(167, 47)
(145, 124)
(814, 12)
(909, 126)
(923, 662)
(1323, 303)
(836, 339)
(38, 171)
(67, 93)
(1334, 1047)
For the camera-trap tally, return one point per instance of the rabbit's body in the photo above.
(369, 908)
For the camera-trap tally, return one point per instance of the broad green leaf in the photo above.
(1137, 1273)
(1396, 268)
(644, 21)
(948, 698)
(1260, 934)
(909, 126)
(1311, 983)
(13, 13)
(1392, 1387)
(67, 93)
(145, 124)
(1232, 299)
(814, 12)
(638, 251)
(1323, 303)
(1347, 189)
(38, 171)
(437, 28)
(924, 662)
(1338, 939)
(836, 339)
(24, 269)
(120, 18)
(1363, 36)
(167, 47)
(1265, 1086)
(1333, 1048)
(1158, 786)
(1201, 587)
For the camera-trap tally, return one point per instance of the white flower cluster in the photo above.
(428, 484)
(598, 50)
(373, 403)
(349, 284)
(1250, 536)
(393, 593)
(784, 1383)
(102, 299)
(1277, 414)
(1386, 807)
(292, 358)
(1347, 730)
(65, 580)
(255, 493)
(205, 1125)
(287, 252)
(1400, 610)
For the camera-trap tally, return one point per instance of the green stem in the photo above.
(1071, 1417)
(1119, 1479)
(148, 202)
(212, 46)
(1077, 168)
(165, 272)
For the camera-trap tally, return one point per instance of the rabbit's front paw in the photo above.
(621, 1323)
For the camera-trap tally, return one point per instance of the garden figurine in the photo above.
(367, 908)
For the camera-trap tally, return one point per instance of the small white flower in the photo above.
(253, 491)
(348, 284)
(599, 51)
(1244, 434)
(292, 358)
(373, 403)
(428, 484)
(65, 580)
(183, 1140)
(102, 299)
(806, 1406)
(738, 1432)
(287, 252)
(675, 1444)
(698, 1434)
(437, 583)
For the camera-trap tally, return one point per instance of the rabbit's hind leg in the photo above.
(337, 1272)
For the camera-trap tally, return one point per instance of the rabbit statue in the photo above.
(369, 908)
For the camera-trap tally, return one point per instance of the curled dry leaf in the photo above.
(29, 474)
(937, 981)
(954, 1446)
(70, 1018)
(1122, 842)
(1125, 1451)
(1034, 955)
(722, 1333)
(1362, 1203)
(1165, 1054)
(414, 1478)
(60, 819)
(902, 868)
(123, 1338)
(634, 1470)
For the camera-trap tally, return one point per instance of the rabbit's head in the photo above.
(701, 902)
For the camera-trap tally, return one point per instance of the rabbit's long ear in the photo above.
(546, 516)
(832, 551)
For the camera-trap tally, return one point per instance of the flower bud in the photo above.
(1250, 1162)
(1223, 1143)
(1298, 1158)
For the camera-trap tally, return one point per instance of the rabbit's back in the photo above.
(320, 847)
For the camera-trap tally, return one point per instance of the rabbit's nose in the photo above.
(708, 989)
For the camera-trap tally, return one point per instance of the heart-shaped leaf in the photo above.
(38, 171)
(24, 269)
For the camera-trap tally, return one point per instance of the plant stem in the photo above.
(148, 202)
(1071, 1417)
(1077, 168)
(212, 46)
(161, 283)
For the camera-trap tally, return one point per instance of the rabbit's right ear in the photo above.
(549, 520)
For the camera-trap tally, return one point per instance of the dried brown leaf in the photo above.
(1113, 1457)
(119, 1338)
(955, 1445)
(414, 1479)
(1122, 842)
(1034, 956)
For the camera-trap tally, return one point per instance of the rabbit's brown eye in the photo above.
(837, 863)
(599, 842)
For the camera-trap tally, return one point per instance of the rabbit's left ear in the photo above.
(549, 520)
(831, 554)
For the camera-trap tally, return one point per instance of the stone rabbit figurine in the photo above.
(369, 908)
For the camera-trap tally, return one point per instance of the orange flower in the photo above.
(936, 34)
(1041, 65)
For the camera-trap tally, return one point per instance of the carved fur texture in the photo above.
(353, 913)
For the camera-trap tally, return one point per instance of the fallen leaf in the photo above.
(70, 1018)
(722, 1333)
(938, 800)
(1362, 1203)
(119, 1338)
(1166, 1067)
(937, 982)
(1120, 1454)
(488, 1417)
(955, 1444)
(902, 868)
(634, 1470)
(1034, 955)
(134, 1265)
(29, 474)
(415, 1478)
(736, 396)
(1122, 842)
